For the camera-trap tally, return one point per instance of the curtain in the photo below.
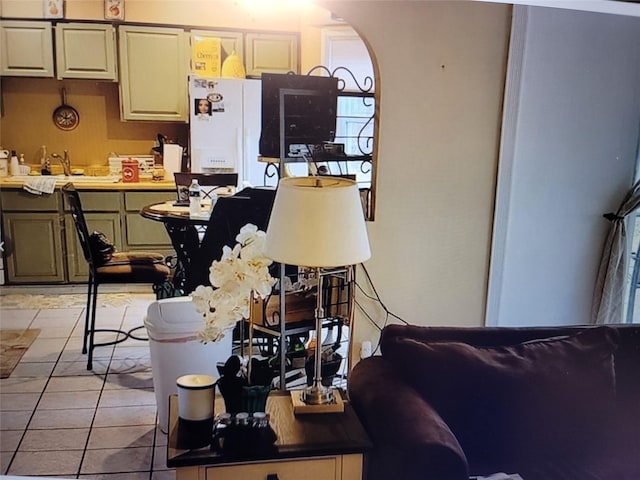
(608, 298)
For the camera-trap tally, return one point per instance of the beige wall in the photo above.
(441, 79)
(242, 14)
(27, 121)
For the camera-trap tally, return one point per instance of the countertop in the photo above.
(88, 183)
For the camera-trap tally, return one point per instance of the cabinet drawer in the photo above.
(21, 201)
(134, 201)
(98, 202)
(324, 468)
(142, 232)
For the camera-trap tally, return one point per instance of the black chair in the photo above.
(122, 267)
(229, 215)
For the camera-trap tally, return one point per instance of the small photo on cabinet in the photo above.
(114, 9)
(53, 8)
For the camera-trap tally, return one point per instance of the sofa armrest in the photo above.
(410, 439)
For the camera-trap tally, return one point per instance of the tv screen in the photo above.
(310, 116)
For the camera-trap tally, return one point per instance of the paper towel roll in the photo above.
(171, 159)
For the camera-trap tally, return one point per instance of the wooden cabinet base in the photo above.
(342, 467)
(331, 449)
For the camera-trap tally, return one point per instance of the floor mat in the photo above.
(13, 344)
(21, 301)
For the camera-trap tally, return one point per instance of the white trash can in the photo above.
(172, 325)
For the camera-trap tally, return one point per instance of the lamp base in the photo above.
(301, 407)
(317, 395)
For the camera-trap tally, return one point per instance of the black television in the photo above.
(310, 107)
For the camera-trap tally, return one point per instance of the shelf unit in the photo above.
(268, 331)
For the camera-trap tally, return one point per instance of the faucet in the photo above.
(65, 161)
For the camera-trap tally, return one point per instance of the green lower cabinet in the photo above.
(107, 223)
(40, 239)
(33, 248)
(143, 233)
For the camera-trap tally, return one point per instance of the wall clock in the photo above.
(65, 117)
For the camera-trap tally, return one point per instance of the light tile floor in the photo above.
(58, 419)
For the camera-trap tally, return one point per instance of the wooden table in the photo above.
(314, 446)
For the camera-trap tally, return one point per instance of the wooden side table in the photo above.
(319, 446)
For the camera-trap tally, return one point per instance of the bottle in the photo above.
(4, 163)
(194, 197)
(46, 170)
(14, 166)
(45, 165)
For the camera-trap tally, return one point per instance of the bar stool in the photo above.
(122, 267)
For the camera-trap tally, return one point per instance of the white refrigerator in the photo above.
(225, 127)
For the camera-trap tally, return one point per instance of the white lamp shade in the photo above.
(317, 222)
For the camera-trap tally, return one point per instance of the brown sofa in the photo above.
(546, 403)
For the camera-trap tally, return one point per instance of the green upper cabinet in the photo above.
(86, 51)
(154, 66)
(271, 53)
(26, 49)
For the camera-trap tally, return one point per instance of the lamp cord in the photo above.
(375, 298)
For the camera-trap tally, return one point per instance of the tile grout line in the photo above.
(95, 413)
(93, 418)
(33, 412)
(149, 470)
(91, 427)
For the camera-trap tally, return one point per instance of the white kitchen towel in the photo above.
(40, 185)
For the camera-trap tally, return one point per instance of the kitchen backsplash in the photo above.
(26, 123)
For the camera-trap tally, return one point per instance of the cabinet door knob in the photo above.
(272, 476)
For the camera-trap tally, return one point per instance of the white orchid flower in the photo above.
(247, 233)
(241, 272)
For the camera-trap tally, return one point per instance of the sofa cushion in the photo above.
(520, 404)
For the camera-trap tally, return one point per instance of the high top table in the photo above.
(327, 446)
(183, 232)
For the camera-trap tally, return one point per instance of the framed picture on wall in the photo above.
(53, 8)
(114, 9)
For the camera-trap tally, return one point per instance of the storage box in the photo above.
(145, 163)
(299, 307)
